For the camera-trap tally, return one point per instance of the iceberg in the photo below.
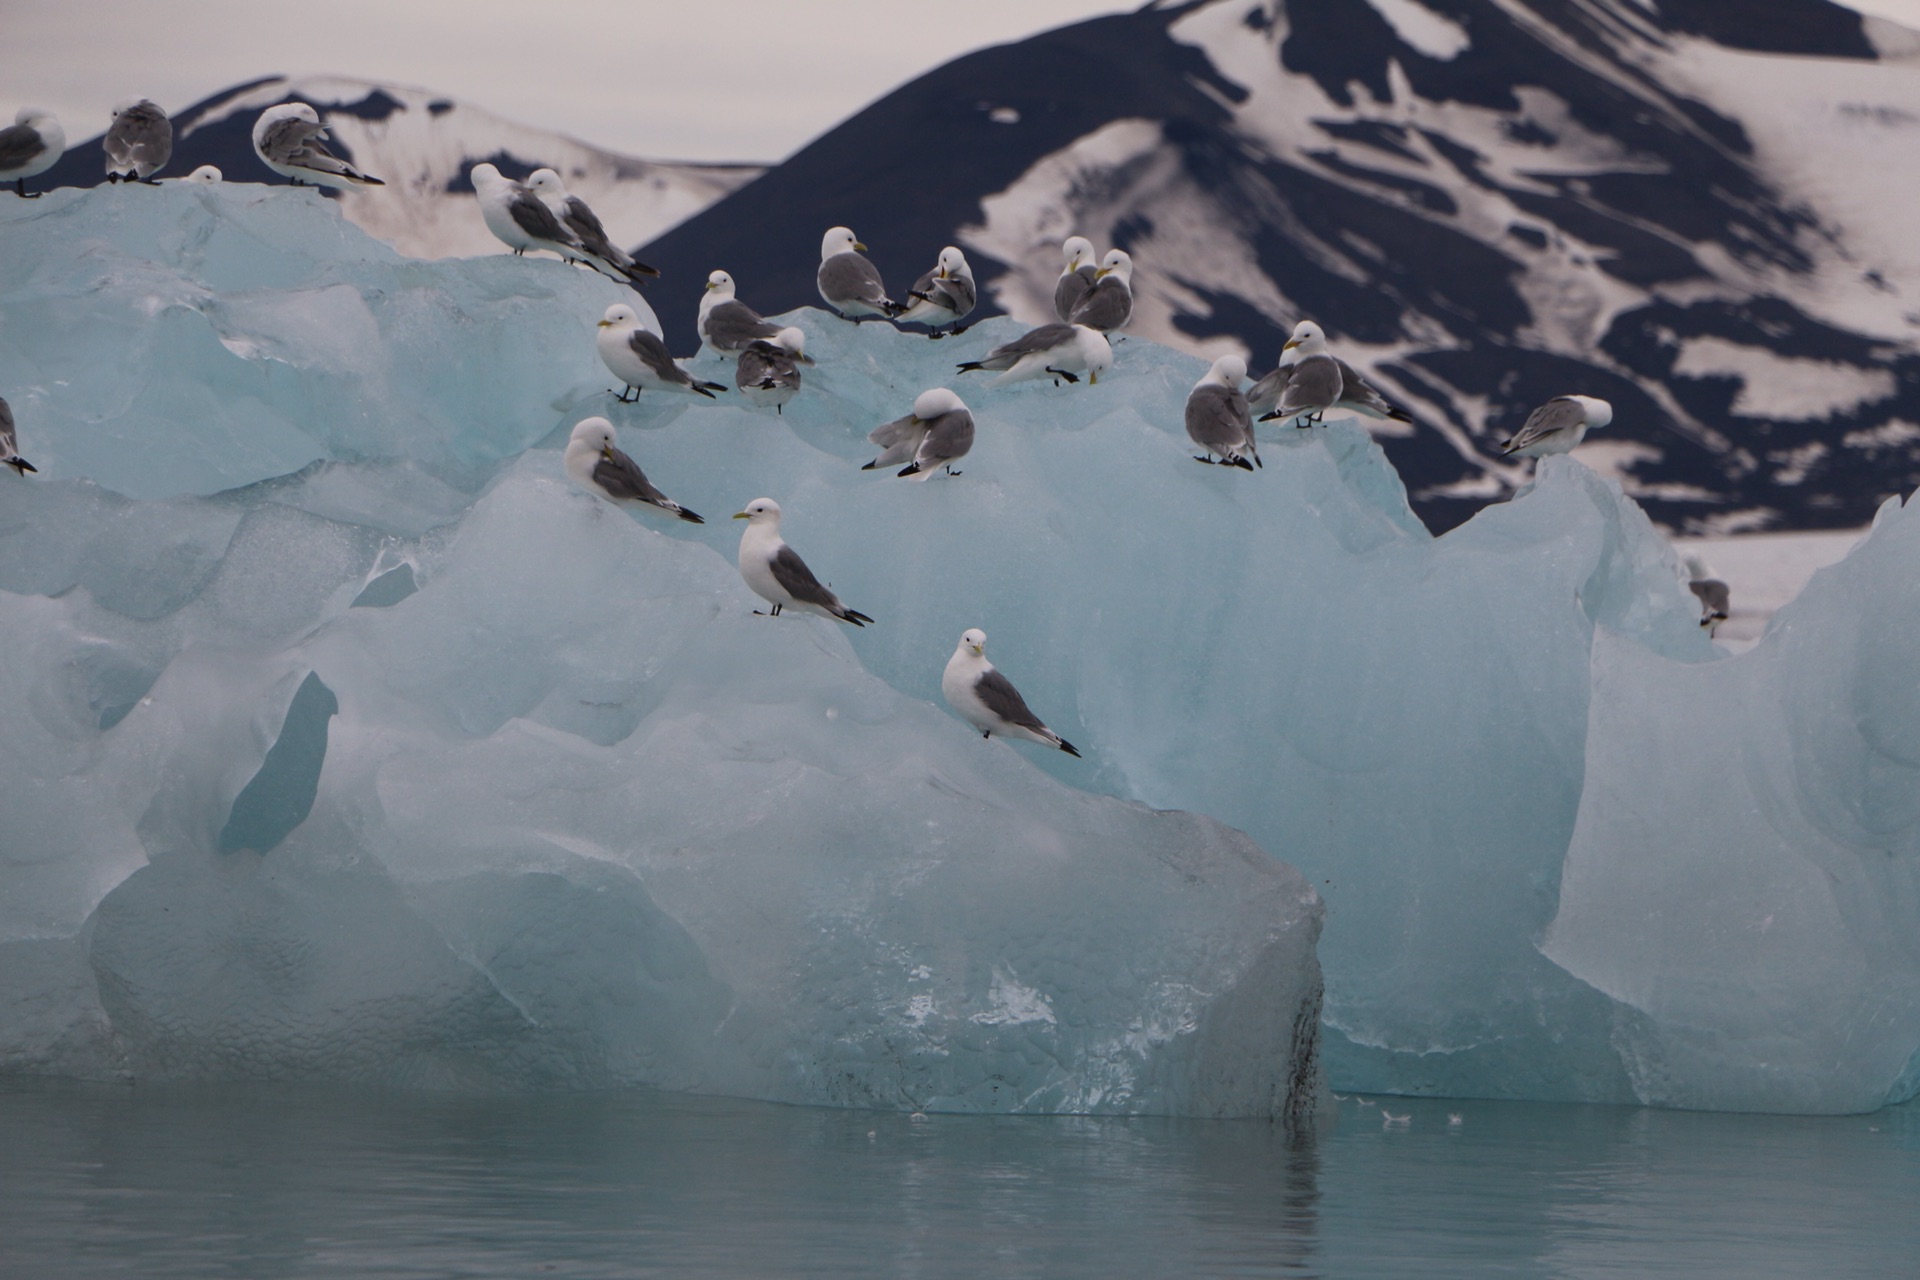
(343, 738)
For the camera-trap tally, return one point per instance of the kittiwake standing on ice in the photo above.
(638, 357)
(596, 248)
(726, 324)
(1052, 350)
(1356, 394)
(1217, 415)
(1081, 267)
(597, 465)
(518, 218)
(29, 147)
(776, 572)
(9, 445)
(1558, 426)
(139, 143)
(287, 138)
(943, 296)
(848, 282)
(988, 701)
(1108, 305)
(769, 370)
(937, 434)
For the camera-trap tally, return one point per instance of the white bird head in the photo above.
(1078, 251)
(1096, 350)
(974, 641)
(33, 116)
(935, 401)
(793, 342)
(125, 105)
(1599, 412)
(546, 182)
(838, 240)
(1228, 371)
(760, 511)
(1307, 339)
(596, 433)
(206, 173)
(953, 263)
(721, 283)
(1117, 263)
(483, 175)
(619, 315)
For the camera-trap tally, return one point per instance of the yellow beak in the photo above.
(862, 248)
(1101, 274)
(1291, 344)
(604, 324)
(741, 515)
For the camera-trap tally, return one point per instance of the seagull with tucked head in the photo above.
(1558, 426)
(288, 140)
(937, 434)
(29, 147)
(1217, 416)
(768, 374)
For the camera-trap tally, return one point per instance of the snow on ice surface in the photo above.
(582, 818)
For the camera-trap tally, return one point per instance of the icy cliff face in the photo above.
(542, 801)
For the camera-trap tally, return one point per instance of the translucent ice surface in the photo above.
(344, 738)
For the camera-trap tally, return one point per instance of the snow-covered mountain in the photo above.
(1699, 209)
(422, 145)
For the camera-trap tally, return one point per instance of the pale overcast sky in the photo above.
(671, 79)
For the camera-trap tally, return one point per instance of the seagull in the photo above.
(777, 574)
(1388, 1120)
(1455, 1120)
(287, 138)
(640, 359)
(987, 700)
(727, 324)
(848, 282)
(769, 370)
(1356, 395)
(595, 464)
(1716, 600)
(205, 175)
(1059, 350)
(139, 143)
(9, 451)
(596, 250)
(943, 296)
(520, 219)
(1217, 416)
(28, 147)
(935, 435)
(1108, 305)
(1074, 282)
(1558, 426)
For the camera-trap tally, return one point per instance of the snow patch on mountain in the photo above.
(1783, 388)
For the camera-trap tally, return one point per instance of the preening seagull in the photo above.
(848, 282)
(596, 250)
(988, 701)
(1055, 350)
(595, 464)
(1356, 394)
(9, 447)
(287, 138)
(943, 296)
(29, 146)
(1081, 267)
(1217, 416)
(138, 143)
(1558, 426)
(206, 175)
(518, 218)
(1109, 304)
(936, 434)
(769, 370)
(726, 324)
(777, 574)
(640, 359)
(1716, 600)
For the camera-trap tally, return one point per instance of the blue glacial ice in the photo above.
(544, 803)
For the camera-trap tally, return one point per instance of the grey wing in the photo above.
(1265, 394)
(284, 140)
(956, 294)
(1359, 394)
(850, 277)
(899, 440)
(587, 229)
(532, 216)
(1001, 698)
(765, 366)
(19, 143)
(1108, 305)
(1072, 287)
(622, 477)
(654, 354)
(8, 442)
(925, 283)
(1045, 338)
(141, 137)
(1315, 384)
(1217, 418)
(948, 437)
(1558, 414)
(791, 572)
(732, 325)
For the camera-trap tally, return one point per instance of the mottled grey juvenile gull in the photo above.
(988, 701)
(777, 574)
(769, 370)
(595, 464)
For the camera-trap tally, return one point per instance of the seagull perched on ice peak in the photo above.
(727, 324)
(639, 358)
(937, 434)
(1108, 305)
(943, 296)
(1053, 350)
(138, 143)
(1558, 426)
(848, 282)
(206, 175)
(1354, 393)
(597, 250)
(518, 218)
(988, 701)
(1082, 264)
(777, 574)
(769, 370)
(597, 465)
(1218, 419)
(29, 147)
(287, 138)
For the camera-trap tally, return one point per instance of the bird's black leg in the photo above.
(986, 733)
(1061, 373)
(951, 471)
(20, 189)
(776, 611)
(112, 178)
(152, 182)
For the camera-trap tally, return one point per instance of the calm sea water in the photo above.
(264, 1182)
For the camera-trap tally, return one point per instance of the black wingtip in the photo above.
(643, 271)
(691, 517)
(891, 307)
(1069, 749)
(970, 366)
(1269, 417)
(911, 469)
(21, 465)
(857, 618)
(1243, 464)
(1399, 415)
(871, 465)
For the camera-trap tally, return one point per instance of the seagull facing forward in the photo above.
(988, 701)
(778, 575)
